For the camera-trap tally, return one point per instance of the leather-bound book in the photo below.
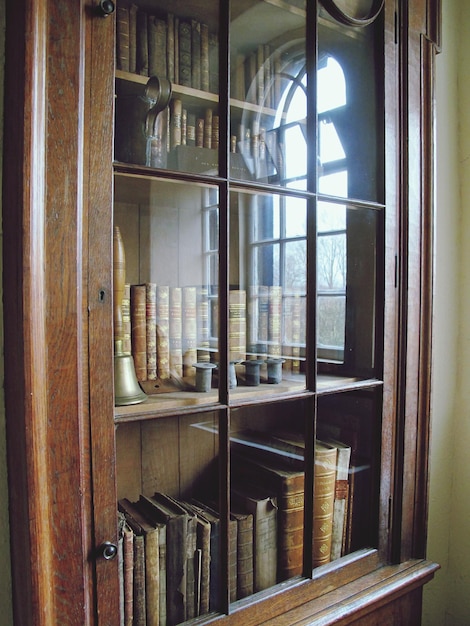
(139, 331)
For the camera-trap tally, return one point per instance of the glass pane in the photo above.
(349, 110)
(267, 269)
(167, 85)
(268, 99)
(168, 509)
(267, 486)
(350, 422)
(348, 287)
(169, 236)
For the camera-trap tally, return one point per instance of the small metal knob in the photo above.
(106, 7)
(108, 550)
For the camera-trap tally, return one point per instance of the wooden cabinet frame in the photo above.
(57, 297)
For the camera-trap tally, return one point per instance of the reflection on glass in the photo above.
(351, 423)
(267, 492)
(167, 86)
(346, 287)
(268, 101)
(347, 107)
(267, 268)
(170, 236)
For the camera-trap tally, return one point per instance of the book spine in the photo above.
(152, 579)
(291, 530)
(245, 556)
(170, 47)
(204, 57)
(185, 54)
(195, 54)
(237, 324)
(189, 330)
(139, 581)
(128, 556)
(157, 46)
(207, 133)
(162, 574)
(142, 51)
(175, 124)
(232, 550)
(176, 331)
(213, 63)
(203, 354)
(126, 320)
(138, 331)
(200, 132)
(151, 329)
(263, 320)
(191, 130)
(163, 331)
(324, 493)
(122, 38)
(274, 323)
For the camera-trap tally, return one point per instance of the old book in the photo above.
(138, 331)
(237, 324)
(324, 494)
(203, 354)
(165, 510)
(122, 38)
(163, 331)
(189, 330)
(128, 574)
(232, 550)
(142, 50)
(274, 321)
(185, 53)
(184, 127)
(215, 132)
(199, 132)
(244, 552)
(195, 54)
(191, 130)
(157, 46)
(203, 559)
(176, 331)
(340, 507)
(207, 137)
(150, 533)
(204, 57)
(170, 47)
(151, 329)
(263, 320)
(176, 108)
(126, 320)
(132, 38)
(323, 501)
(263, 506)
(212, 517)
(213, 63)
(192, 560)
(288, 486)
(138, 595)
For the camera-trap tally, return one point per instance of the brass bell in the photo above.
(126, 386)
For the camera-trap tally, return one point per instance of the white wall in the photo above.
(447, 598)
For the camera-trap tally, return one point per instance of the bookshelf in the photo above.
(279, 256)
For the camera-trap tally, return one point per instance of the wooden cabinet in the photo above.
(269, 199)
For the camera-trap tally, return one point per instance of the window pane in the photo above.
(348, 64)
(268, 101)
(331, 322)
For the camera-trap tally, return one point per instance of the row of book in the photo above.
(170, 329)
(169, 559)
(183, 50)
(169, 549)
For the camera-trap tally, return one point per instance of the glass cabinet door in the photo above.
(248, 297)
